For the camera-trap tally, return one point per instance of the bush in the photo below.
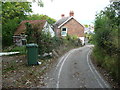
(45, 42)
(106, 61)
(73, 39)
(21, 49)
(8, 31)
(107, 48)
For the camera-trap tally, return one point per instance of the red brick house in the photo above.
(69, 26)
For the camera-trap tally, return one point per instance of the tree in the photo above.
(107, 26)
(42, 17)
(86, 25)
(11, 10)
(36, 35)
(107, 31)
(29, 32)
(12, 14)
(39, 2)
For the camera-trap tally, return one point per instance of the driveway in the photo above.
(75, 70)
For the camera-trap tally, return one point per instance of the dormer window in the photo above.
(64, 31)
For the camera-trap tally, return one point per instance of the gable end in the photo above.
(69, 20)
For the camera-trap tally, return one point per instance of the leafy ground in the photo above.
(17, 74)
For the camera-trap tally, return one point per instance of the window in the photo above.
(24, 41)
(64, 32)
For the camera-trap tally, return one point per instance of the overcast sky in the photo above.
(84, 10)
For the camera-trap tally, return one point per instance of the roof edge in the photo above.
(68, 20)
(65, 21)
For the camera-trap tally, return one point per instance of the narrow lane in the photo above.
(75, 70)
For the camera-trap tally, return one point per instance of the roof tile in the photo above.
(21, 28)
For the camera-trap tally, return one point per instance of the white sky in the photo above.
(84, 10)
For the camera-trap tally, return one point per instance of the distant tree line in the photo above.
(41, 17)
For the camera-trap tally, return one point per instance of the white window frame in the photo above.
(63, 31)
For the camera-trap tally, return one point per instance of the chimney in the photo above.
(71, 13)
(62, 15)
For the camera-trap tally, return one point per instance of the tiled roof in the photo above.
(21, 28)
(59, 22)
(63, 20)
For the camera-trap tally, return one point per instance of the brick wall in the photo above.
(73, 28)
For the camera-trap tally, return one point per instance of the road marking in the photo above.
(62, 66)
(64, 59)
(93, 71)
(61, 60)
(99, 75)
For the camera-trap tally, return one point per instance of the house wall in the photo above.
(73, 28)
(18, 40)
(51, 31)
(82, 39)
(47, 28)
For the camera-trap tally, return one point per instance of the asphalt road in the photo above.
(75, 70)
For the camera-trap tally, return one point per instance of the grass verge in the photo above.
(108, 64)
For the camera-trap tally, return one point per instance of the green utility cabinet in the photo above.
(32, 54)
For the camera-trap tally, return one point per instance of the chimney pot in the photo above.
(71, 13)
(62, 15)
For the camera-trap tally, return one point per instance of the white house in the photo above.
(89, 29)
